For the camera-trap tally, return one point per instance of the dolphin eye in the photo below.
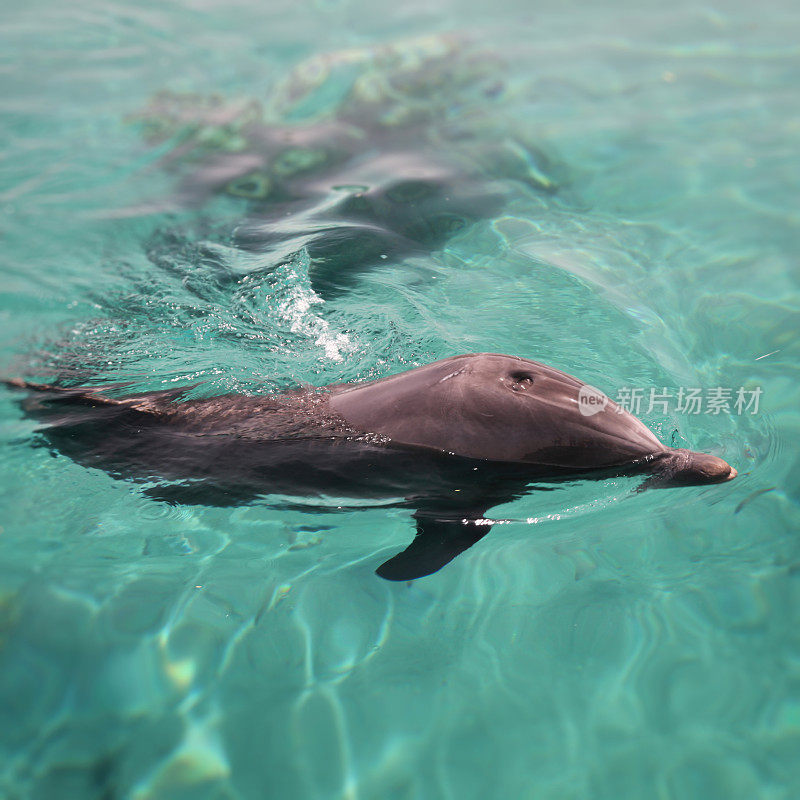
(521, 381)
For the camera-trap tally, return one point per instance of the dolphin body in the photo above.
(360, 158)
(452, 439)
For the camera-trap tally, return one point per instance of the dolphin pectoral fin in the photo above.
(438, 541)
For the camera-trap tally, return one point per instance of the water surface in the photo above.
(625, 181)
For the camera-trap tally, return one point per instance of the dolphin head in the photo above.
(498, 408)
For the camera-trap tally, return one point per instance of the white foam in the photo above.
(296, 309)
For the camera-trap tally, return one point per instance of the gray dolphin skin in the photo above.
(449, 440)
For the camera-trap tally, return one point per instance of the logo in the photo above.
(591, 401)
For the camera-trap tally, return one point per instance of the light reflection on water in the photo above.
(596, 643)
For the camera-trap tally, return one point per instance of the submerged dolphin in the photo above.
(360, 158)
(452, 439)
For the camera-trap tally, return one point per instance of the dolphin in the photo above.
(449, 440)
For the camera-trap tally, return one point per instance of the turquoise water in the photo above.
(600, 643)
